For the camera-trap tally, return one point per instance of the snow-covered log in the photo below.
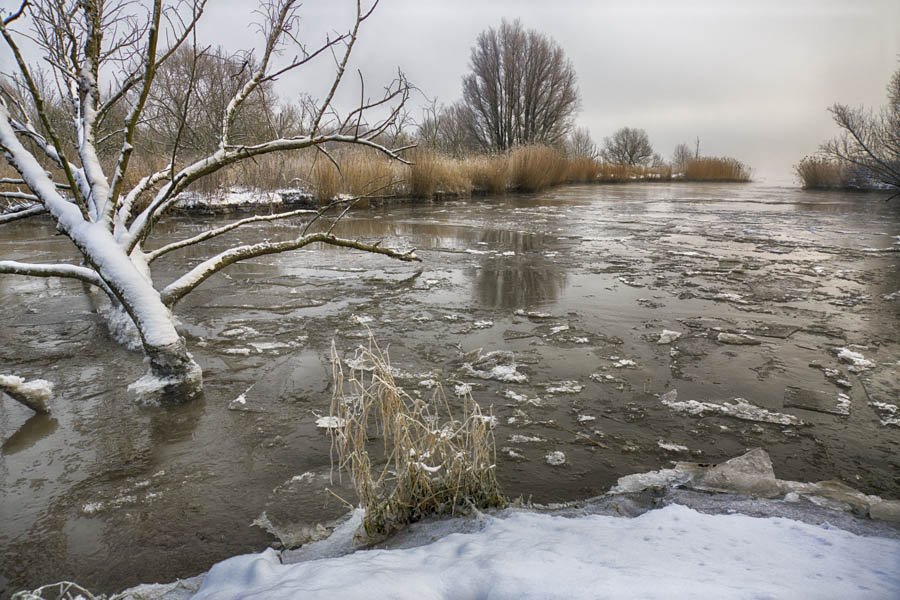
(97, 73)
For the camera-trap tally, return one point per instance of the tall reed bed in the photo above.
(823, 173)
(716, 168)
(408, 458)
(429, 174)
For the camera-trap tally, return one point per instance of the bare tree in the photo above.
(681, 157)
(580, 144)
(628, 146)
(870, 139)
(104, 57)
(446, 129)
(522, 88)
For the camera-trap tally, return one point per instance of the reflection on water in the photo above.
(519, 274)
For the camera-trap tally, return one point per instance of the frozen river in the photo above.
(757, 288)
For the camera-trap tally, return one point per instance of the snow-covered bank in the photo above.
(673, 552)
(727, 530)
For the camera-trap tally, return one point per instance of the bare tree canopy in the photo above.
(682, 156)
(446, 129)
(107, 66)
(870, 139)
(628, 146)
(522, 88)
(580, 144)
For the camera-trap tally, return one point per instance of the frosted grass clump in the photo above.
(429, 461)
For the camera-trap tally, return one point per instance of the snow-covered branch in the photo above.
(211, 233)
(190, 280)
(134, 117)
(22, 213)
(13, 267)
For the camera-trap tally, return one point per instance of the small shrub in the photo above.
(433, 463)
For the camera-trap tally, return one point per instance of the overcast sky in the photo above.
(752, 79)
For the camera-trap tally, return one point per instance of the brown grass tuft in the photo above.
(432, 463)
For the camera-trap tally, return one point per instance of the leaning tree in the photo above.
(98, 68)
(870, 140)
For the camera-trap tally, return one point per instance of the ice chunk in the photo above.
(555, 458)
(740, 409)
(525, 439)
(671, 447)
(34, 394)
(462, 389)
(858, 363)
(498, 365)
(667, 336)
(564, 387)
(330, 422)
(653, 479)
(737, 339)
(750, 474)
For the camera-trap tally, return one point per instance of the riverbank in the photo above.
(693, 531)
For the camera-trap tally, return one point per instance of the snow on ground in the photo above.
(673, 552)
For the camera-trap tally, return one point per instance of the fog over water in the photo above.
(750, 79)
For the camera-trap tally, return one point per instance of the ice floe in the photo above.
(739, 409)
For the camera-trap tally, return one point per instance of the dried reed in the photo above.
(431, 463)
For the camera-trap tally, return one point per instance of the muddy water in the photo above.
(112, 494)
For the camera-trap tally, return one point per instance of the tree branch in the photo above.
(133, 118)
(193, 278)
(12, 267)
(211, 233)
(24, 213)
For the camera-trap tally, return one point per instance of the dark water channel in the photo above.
(112, 494)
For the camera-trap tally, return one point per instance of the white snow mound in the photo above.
(670, 553)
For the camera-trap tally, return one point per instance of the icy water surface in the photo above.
(756, 286)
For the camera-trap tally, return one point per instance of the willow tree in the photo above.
(98, 65)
